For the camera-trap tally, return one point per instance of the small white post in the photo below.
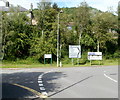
(60, 64)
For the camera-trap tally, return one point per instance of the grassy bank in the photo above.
(33, 64)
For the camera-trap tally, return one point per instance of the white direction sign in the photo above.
(47, 55)
(94, 55)
(74, 51)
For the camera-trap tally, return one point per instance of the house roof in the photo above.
(3, 8)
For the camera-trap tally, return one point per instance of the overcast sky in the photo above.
(102, 5)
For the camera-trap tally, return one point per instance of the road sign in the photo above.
(74, 51)
(47, 55)
(94, 55)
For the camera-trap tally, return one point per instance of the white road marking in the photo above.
(39, 81)
(40, 84)
(110, 78)
(42, 88)
(44, 93)
(40, 76)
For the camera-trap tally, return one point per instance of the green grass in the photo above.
(27, 64)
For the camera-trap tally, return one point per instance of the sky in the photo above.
(102, 5)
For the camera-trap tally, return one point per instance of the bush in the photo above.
(112, 56)
(66, 60)
(116, 54)
(109, 56)
(29, 60)
(82, 61)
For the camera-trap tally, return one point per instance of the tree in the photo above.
(16, 35)
(83, 25)
(41, 45)
(102, 24)
(55, 6)
(44, 4)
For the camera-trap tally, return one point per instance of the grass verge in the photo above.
(8, 64)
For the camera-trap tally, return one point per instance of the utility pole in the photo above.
(79, 41)
(58, 38)
(58, 41)
(98, 46)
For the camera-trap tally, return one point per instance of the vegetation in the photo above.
(22, 41)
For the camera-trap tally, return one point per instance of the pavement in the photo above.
(75, 82)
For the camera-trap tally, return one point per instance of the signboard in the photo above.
(47, 55)
(94, 55)
(74, 51)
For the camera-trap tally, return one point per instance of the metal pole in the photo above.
(44, 60)
(51, 61)
(90, 63)
(60, 55)
(58, 42)
(79, 45)
(72, 62)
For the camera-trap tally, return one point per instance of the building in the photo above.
(21, 9)
(9, 6)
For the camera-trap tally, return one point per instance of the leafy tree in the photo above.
(83, 26)
(55, 6)
(21, 40)
(103, 23)
(16, 35)
(44, 4)
(41, 45)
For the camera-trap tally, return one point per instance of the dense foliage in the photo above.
(82, 25)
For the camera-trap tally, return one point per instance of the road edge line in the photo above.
(110, 78)
(32, 90)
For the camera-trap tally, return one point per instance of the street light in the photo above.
(58, 39)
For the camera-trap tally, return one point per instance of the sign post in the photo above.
(94, 56)
(48, 56)
(74, 51)
(72, 62)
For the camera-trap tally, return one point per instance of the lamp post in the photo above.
(98, 46)
(58, 39)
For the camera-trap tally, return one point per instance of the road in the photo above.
(75, 82)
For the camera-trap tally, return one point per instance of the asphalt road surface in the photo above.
(77, 82)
